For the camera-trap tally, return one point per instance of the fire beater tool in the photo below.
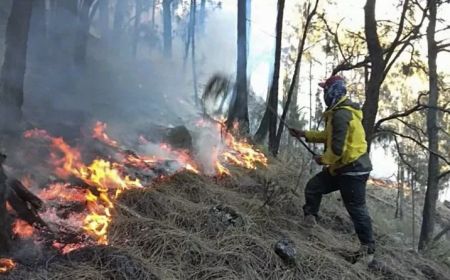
(219, 85)
(287, 126)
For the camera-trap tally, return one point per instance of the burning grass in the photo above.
(168, 231)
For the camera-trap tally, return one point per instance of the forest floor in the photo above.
(197, 227)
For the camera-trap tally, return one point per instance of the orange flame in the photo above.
(64, 192)
(6, 265)
(236, 152)
(182, 157)
(67, 248)
(109, 180)
(100, 134)
(101, 174)
(22, 229)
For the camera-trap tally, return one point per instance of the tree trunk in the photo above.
(82, 34)
(38, 29)
(432, 193)
(400, 184)
(189, 34)
(413, 205)
(194, 64)
(104, 19)
(137, 21)
(14, 65)
(402, 194)
(202, 16)
(269, 121)
(119, 17)
(153, 14)
(370, 107)
(239, 108)
(167, 22)
(249, 26)
(294, 81)
(63, 27)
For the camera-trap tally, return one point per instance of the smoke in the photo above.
(114, 86)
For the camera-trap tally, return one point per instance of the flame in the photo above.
(105, 176)
(242, 153)
(6, 265)
(70, 161)
(62, 192)
(235, 152)
(108, 179)
(182, 157)
(101, 174)
(27, 182)
(37, 133)
(67, 248)
(99, 133)
(22, 229)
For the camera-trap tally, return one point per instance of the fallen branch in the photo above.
(442, 233)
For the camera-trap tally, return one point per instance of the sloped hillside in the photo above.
(193, 227)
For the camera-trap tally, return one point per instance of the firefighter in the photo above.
(346, 162)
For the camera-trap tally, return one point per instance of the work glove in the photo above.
(318, 159)
(296, 133)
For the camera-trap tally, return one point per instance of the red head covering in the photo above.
(331, 80)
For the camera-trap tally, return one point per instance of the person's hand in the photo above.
(296, 133)
(318, 160)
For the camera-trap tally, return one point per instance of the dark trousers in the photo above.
(353, 192)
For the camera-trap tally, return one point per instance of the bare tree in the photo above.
(190, 44)
(269, 120)
(312, 10)
(104, 18)
(14, 65)
(432, 193)
(239, 107)
(119, 18)
(412, 183)
(202, 15)
(400, 192)
(82, 35)
(38, 28)
(380, 59)
(167, 22)
(137, 21)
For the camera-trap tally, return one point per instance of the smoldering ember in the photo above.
(176, 139)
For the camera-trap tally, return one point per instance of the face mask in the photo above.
(334, 93)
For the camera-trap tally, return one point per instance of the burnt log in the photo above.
(25, 194)
(179, 137)
(22, 201)
(5, 225)
(78, 182)
(5, 232)
(24, 209)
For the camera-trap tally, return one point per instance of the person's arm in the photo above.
(313, 136)
(310, 136)
(339, 130)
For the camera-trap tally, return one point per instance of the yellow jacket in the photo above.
(344, 139)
